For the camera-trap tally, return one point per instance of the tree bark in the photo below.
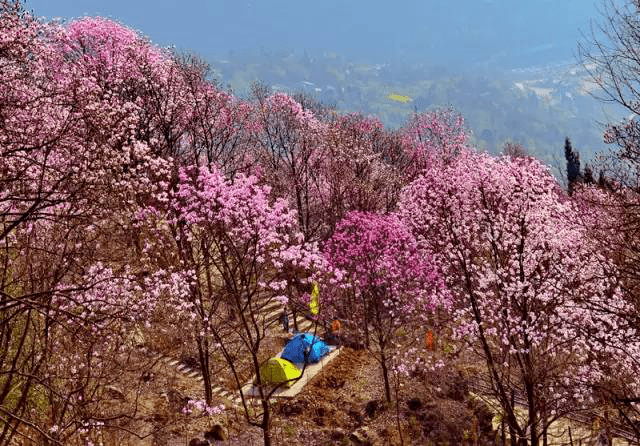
(365, 322)
(533, 415)
(385, 375)
(203, 353)
(266, 423)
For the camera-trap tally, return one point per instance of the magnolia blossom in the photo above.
(531, 295)
(390, 281)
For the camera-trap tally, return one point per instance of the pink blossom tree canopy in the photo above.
(440, 134)
(386, 280)
(288, 151)
(236, 250)
(531, 297)
(71, 171)
(357, 175)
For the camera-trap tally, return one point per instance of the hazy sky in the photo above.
(437, 31)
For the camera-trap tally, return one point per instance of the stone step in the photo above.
(219, 391)
(228, 396)
(274, 315)
(272, 306)
(271, 311)
(306, 325)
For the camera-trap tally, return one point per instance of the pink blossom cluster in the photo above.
(389, 282)
(528, 285)
(377, 252)
(136, 195)
(440, 133)
(201, 408)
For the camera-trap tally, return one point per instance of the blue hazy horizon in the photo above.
(439, 32)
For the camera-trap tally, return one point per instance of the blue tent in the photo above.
(304, 345)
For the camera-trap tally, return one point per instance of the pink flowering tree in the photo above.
(385, 282)
(364, 167)
(287, 146)
(178, 112)
(438, 133)
(184, 117)
(288, 152)
(236, 250)
(72, 173)
(609, 217)
(220, 127)
(531, 297)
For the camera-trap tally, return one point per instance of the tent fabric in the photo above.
(305, 347)
(277, 371)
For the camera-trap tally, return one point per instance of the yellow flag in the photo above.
(496, 421)
(313, 305)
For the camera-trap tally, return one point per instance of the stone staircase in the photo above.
(272, 311)
(232, 396)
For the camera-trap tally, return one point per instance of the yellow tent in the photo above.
(277, 371)
(314, 305)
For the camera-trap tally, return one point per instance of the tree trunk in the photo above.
(532, 426)
(295, 318)
(203, 353)
(475, 430)
(395, 387)
(385, 375)
(512, 432)
(266, 423)
(545, 421)
(533, 413)
(365, 322)
(607, 427)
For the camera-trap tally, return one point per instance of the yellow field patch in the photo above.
(399, 98)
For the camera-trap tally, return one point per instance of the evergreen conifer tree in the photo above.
(588, 175)
(573, 165)
(602, 181)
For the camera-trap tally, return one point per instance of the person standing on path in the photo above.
(284, 320)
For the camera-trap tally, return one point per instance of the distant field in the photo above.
(536, 106)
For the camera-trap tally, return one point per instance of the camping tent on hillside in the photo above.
(305, 348)
(278, 371)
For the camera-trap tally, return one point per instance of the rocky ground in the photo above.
(345, 405)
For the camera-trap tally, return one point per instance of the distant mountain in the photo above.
(537, 106)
